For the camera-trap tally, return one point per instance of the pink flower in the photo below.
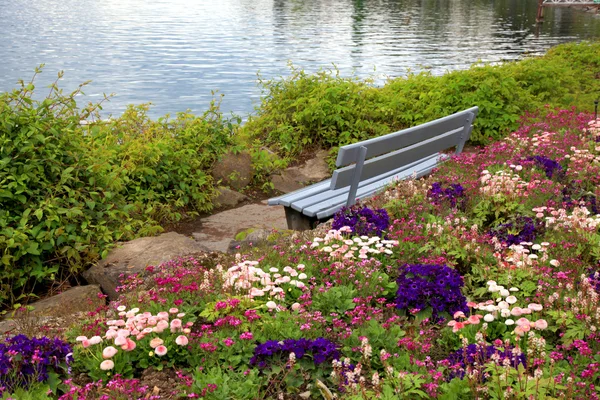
(535, 307)
(246, 336)
(254, 292)
(472, 304)
(173, 310)
(111, 334)
(154, 343)
(152, 321)
(129, 345)
(86, 343)
(228, 342)
(517, 312)
(523, 321)
(161, 326)
(109, 352)
(459, 314)
(181, 340)
(541, 324)
(106, 365)
(160, 350)
(175, 325)
(163, 315)
(120, 340)
(474, 319)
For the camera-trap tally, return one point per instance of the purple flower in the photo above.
(474, 354)
(454, 195)
(362, 220)
(321, 350)
(429, 285)
(36, 357)
(522, 229)
(551, 167)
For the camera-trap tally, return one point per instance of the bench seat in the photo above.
(367, 167)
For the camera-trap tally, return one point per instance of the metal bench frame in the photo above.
(366, 167)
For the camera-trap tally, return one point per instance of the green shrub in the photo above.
(326, 110)
(57, 212)
(69, 191)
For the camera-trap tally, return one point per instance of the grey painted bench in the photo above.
(366, 167)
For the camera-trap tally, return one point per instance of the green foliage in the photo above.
(68, 190)
(326, 110)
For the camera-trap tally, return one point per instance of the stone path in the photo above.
(216, 231)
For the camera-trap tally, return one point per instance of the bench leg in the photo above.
(298, 221)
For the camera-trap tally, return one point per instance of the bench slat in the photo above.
(336, 202)
(330, 194)
(332, 210)
(407, 137)
(379, 165)
(289, 198)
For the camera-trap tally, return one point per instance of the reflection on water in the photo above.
(173, 53)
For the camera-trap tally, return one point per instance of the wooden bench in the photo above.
(366, 167)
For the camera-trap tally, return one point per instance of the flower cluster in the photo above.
(522, 229)
(502, 183)
(505, 307)
(559, 219)
(476, 355)
(454, 195)
(429, 285)
(551, 167)
(116, 388)
(139, 326)
(250, 278)
(362, 220)
(346, 248)
(24, 360)
(321, 350)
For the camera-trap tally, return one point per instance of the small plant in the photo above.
(362, 220)
(320, 350)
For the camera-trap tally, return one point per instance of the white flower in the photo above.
(488, 318)
(504, 293)
(271, 305)
(505, 312)
(106, 365)
(509, 322)
(511, 299)
(302, 276)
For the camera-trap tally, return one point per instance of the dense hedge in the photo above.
(68, 192)
(327, 110)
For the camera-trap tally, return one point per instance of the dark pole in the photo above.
(595, 110)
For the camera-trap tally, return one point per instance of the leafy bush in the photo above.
(324, 109)
(68, 191)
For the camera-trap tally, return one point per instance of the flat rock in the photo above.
(134, 256)
(229, 198)
(73, 301)
(234, 170)
(216, 231)
(294, 178)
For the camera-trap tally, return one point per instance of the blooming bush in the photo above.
(362, 220)
(422, 286)
(24, 361)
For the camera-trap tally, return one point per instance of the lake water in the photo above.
(173, 53)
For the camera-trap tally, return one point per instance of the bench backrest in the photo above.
(400, 148)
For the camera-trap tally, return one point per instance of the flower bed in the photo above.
(478, 282)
